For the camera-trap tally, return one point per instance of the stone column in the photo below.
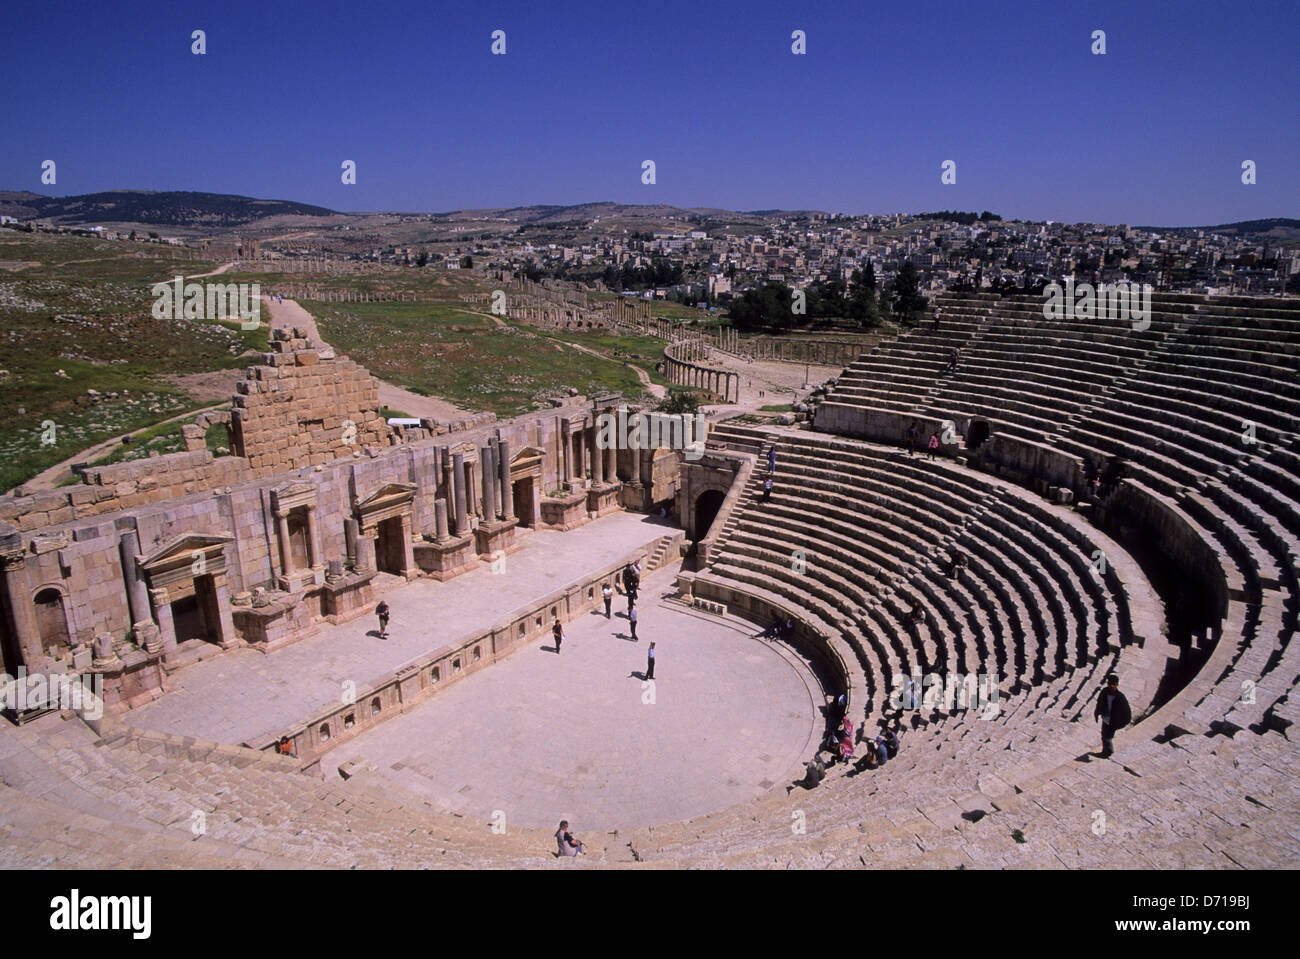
(408, 548)
(448, 484)
(597, 460)
(227, 622)
(137, 593)
(162, 614)
(507, 488)
(485, 468)
(440, 520)
(22, 617)
(286, 554)
(350, 533)
(365, 553)
(462, 523)
(315, 557)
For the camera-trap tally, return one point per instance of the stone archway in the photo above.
(707, 505)
(52, 621)
(979, 432)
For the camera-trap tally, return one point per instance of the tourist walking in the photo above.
(771, 459)
(952, 360)
(631, 618)
(568, 846)
(650, 662)
(767, 489)
(938, 311)
(1113, 711)
(557, 633)
(608, 593)
(933, 446)
(382, 612)
(913, 434)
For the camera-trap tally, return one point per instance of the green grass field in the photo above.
(444, 349)
(640, 351)
(80, 320)
(82, 359)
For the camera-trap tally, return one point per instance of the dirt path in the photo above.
(655, 390)
(217, 272)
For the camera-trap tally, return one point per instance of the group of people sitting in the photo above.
(777, 629)
(1099, 481)
(841, 744)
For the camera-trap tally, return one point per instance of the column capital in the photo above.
(14, 559)
(158, 597)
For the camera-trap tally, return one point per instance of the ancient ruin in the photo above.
(1098, 499)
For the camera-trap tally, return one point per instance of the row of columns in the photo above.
(720, 382)
(494, 465)
(150, 608)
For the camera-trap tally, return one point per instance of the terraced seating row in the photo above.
(141, 799)
(1175, 401)
(873, 533)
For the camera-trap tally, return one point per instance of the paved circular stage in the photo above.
(542, 737)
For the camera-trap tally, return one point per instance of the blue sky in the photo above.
(1154, 132)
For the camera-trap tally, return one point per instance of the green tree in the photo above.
(679, 401)
(908, 304)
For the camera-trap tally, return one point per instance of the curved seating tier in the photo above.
(854, 534)
(1203, 407)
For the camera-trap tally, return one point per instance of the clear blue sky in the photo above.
(1153, 132)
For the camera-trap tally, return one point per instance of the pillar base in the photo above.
(301, 579)
(564, 512)
(603, 499)
(495, 536)
(148, 636)
(446, 559)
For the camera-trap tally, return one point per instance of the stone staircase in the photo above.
(667, 551)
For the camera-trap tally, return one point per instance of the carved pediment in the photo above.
(390, 494)
(527, 462)
(291, 495)
(185, 547)
(179, 560)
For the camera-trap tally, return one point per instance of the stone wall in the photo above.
(107, 489)
(303, 406)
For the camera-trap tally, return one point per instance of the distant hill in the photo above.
(173, 208)
(551, 213)
(1282, 226)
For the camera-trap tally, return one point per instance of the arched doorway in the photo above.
(707, 505)
(51, 621)
(979, 432)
